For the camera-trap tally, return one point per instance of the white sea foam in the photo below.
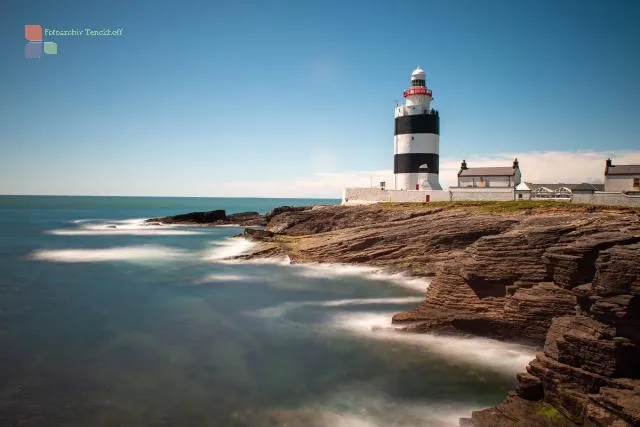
(369, 408)
(332, 271)
(122, 253)
(225, 251)
(130, 227)
(82, 221)
(505, 357)
(228, 248)
(401, 415)
(285, 260)
(281, 309)
(223, 278)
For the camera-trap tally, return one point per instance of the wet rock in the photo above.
(529, 387)
(257, 234)
(217, 217)
(277, 211)
(192, 218)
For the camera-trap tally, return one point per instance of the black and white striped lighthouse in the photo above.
(416, 141)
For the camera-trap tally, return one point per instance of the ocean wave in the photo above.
(505, 357)
(281, 309)
(368, 407)
(228, 248)
(285, 260)
(221, 277)
(122, 253)
(332, 271)
(129, 227)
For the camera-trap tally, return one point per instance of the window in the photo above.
(519, 196)
(636, 182)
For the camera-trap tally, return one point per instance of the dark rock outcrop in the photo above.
(562, 277)
(282, 209)
(217, 217)
(589, 368)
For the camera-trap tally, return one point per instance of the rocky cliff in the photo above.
(564, 277)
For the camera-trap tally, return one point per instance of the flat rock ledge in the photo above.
(563, 277)
(212, 218)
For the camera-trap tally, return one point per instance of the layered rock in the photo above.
(560, 276)
(589, 368)
(216, 217)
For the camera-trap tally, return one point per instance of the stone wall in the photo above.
(493, 194)
(608, 199)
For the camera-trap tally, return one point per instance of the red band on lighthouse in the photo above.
(417, 91)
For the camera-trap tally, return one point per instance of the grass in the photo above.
(548, 411)
(522, 206)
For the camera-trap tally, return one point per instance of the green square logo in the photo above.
(50, 48)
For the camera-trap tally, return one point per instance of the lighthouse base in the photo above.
(417, 181)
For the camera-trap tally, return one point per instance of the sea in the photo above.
(107, 321)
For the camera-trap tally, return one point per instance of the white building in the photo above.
(484, 177)
(621, 178)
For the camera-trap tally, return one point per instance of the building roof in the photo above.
(418, 74)
(494, 171)
(583, 186)
(622, 170)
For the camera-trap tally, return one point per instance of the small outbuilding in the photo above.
(483, 177)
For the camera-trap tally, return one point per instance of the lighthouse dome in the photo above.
(418, 74)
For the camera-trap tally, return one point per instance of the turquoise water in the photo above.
(107, 322)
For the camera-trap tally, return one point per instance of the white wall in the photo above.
(489, 181)
(353, 196)
(495, 194)
(607, 199)
(373, 195)
(619, 183)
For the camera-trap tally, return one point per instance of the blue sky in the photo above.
(295, 98)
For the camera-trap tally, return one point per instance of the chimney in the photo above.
(463, 166)
(515, 163)
(609, 163)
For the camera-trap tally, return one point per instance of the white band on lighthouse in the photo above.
(416, 145)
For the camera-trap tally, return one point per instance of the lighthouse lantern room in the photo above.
(416, 138)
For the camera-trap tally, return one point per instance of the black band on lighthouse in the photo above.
(418, 123)
(411, 162)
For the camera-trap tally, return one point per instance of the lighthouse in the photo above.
(416, 140)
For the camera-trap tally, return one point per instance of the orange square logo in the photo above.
(33, 32)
